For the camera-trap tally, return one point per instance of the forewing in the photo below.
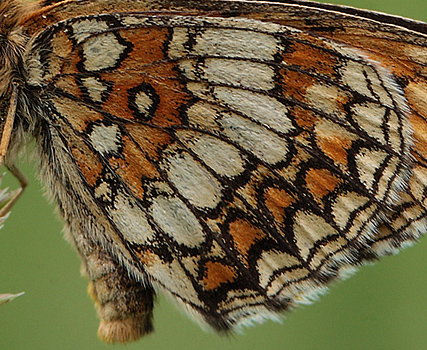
(237, 165)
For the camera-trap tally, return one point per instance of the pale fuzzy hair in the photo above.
(12, 40)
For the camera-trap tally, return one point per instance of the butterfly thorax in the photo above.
(12, 42)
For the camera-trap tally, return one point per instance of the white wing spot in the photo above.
(258, 140)
(226, 42)
(368, 162)
(220, 156)
(193, 181)
(95, 88)
(83, 29)
(264, 109)
(345, 205)
(102, 51)
(327, 98)
(103, 191)
(176, 220)
(143, 102)
(130, 220)
(105, 139)
(370, 117)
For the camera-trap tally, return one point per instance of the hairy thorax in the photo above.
(12, 41)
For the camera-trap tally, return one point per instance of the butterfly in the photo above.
(237, 156)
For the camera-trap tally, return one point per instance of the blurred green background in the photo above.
(381, 307)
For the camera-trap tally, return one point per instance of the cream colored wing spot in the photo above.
(105, 138)
(345, 204)
(203, 115)
(418, 183)
(238, 298)
(364, 79)
(178, 45)
(266, 110)
(325, 251)
(224, 42)
(271, 261)
(389, 173)
(35, 69)
(368, 163)
(130, 219)
(256, 139)
(353, 74)
(102, 51)
(220, 156)
(308, 229)
(173, 275)
(104, 192)
(192, 180)
(251, 75)
(370, 117)
(236, 43)
(175, 219)
(294, 285)
(327, 98)
(263, 143)
(395, 132)
(96, 89)
(144, 102)
(246, 74)
(84, 28)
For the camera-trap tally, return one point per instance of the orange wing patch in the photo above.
(277, 200)
(320, 182)
(334, 141)
(217, 274)
(244, 236)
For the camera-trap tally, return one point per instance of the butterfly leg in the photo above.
(17, 193)
(124, 305)
(8, 124)
(4, 144)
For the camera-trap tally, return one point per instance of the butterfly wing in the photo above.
(400, 44)
(235, 164)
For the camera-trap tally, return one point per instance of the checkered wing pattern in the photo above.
(223, 153)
